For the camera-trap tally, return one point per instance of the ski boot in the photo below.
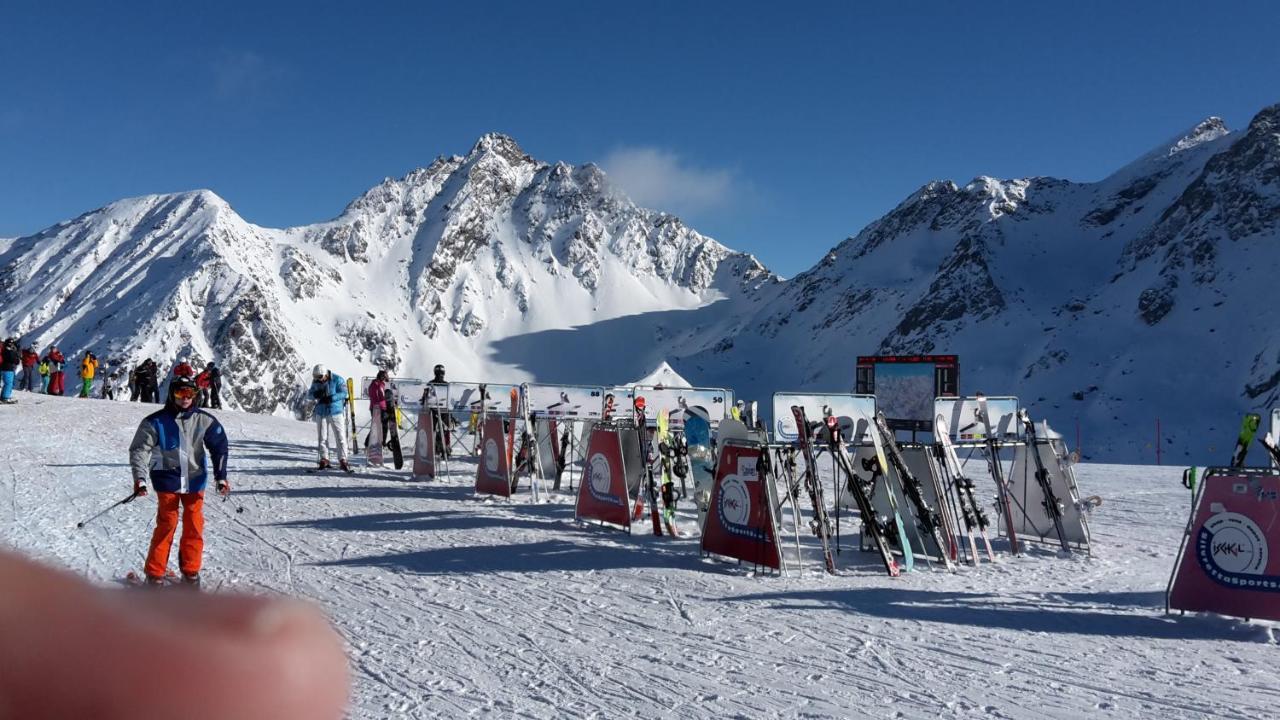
(154, 581)
(324, 464)
(191, 581)
(345, 466)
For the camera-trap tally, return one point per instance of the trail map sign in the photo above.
(905, 385)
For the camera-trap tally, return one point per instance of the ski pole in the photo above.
(108, 509)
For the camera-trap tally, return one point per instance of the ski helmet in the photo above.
(438, 370)
(319, 371)
(181, 384)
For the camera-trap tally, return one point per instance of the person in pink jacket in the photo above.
(378, 401)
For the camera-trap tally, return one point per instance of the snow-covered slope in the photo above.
(454, 605)
(429, 268)
(1115, 304)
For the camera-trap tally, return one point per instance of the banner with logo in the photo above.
(850, 410)
(740, 523)
(602, 494)
(493, 476)
(1229, 562)
(583, 402)
(424, 448)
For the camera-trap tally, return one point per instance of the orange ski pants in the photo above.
(191, 546)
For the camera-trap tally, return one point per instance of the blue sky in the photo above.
(777, 128)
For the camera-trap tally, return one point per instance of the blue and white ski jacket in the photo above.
(336, 389)
(169, 449)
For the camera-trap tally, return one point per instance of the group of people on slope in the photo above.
(208, 382)
(329, 391)
(42, 374)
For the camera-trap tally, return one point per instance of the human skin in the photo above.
(72, 649)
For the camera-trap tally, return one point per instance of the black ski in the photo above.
(928, 519)
(397, 455)
(1052, 505)
(646, 458)
(1270, 444)
(873, 526)
(997, 473)
(821, 524)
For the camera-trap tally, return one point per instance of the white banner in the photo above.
(715, 401)
(961, 416)
(846, 407)
(574, 402)
(464, 397)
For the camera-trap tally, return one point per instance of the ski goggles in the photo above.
(184, 393)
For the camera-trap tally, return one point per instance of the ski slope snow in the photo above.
(453, 604)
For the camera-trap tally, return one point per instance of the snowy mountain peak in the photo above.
(498, 144)
(1205, 131)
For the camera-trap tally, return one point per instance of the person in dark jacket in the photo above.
(30, 358)
(443, 421)
(149, 381)
(169, 450)
(215, 386)
(135, 389)
(10, 360)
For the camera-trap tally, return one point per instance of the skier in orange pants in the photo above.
(169, 450)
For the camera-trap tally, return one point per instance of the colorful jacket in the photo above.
(335, 389)
(30, 357)
(184, 370)
(169, 450)
(88, 367)
(377, 397)
(56, 360)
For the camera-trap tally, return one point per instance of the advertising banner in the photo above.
(1229, 562)
(493, 476)
(602, 494)
(740, 523)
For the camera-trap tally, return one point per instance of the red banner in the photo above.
(493, 476)
(424, 448)
(1226, 564)
(602, 494)
(740, 523)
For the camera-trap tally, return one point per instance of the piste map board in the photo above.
(565, 401)
(716, 401)
(843, 405)
(962, 419)
(905, 386)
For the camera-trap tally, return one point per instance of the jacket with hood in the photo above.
(170, 446)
